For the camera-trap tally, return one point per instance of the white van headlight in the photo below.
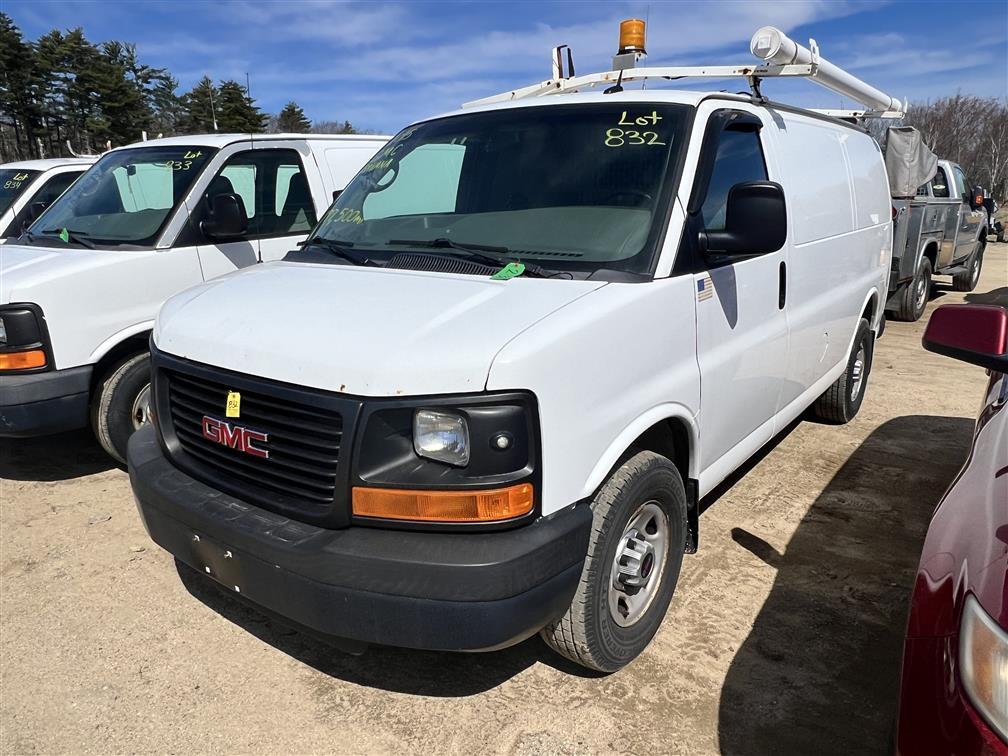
(983, 664)
(441, 435)
(3, 332)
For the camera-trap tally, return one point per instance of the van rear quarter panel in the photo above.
(840, 239)
(604, 369)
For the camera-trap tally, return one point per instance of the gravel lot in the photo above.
(784, 635)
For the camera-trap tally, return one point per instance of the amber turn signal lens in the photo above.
(631, 36)
(34, 358)
(491, 505)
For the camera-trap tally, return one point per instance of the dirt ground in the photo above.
(784, 634)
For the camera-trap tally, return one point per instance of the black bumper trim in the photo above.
(445, 591)
(38, 404)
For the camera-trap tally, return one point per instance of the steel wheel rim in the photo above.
(921, 292)
(975, 272)
(639, 565)
(857, 373)
(141, 408)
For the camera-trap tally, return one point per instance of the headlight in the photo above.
(983, 659)
(442, 436)
(22, 344)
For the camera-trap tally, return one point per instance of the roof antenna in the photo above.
(617, 87)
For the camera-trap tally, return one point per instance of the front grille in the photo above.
(303, 441)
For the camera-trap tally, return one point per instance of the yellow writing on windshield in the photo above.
(620, 137)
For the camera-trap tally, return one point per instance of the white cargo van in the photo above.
(79, 290)
(538, 331)
(27, 187)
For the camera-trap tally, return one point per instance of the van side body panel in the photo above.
(599, 368)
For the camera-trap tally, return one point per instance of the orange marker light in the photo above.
(34, 358)
(631, 36)
(490, 505)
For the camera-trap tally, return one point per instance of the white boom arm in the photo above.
(775, 47)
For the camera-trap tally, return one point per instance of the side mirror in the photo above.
(35, 210)
(977, 198)
(227, 218)
(977, 334)
(755, 221)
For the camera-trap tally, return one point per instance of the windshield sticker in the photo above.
(619, 137)
(348, 215)
(64, 236)
(509, 271)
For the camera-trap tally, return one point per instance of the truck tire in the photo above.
(841, 401)
(968, 281)
(914, 296)
(121, 404)
(637, 544)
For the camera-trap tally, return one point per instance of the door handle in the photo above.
(782, 291)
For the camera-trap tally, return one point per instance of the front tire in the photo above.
(968, 281)
(841, 401)
(634, 557)
(121, 404)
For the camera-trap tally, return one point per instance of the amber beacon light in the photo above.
(631, 36)
(489, 505)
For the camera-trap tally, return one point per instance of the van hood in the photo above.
(363, 331)
(26, 270)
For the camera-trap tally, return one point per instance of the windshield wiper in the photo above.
(340, 249)
(476, 252)
(77, 237)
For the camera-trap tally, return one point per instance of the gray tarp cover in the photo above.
(908, 161)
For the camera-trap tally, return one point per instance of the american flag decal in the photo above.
(704, 289)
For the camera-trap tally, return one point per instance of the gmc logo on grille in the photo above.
(234, 436)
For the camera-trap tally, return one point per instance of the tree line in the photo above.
(62, 94)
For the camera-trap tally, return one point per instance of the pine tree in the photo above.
(20, 85)
(200, 108)
(292, 120)
(238, 112)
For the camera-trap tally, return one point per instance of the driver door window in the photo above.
(273, 190)
(739, 158)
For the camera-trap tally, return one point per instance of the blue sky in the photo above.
(382, 65)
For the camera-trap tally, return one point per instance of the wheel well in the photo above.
(671, 438)
(869, 310)
(127, 348)
(931, 253)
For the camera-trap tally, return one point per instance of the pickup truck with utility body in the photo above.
(80, 288)
(513, 356)
(939, 225)
(27, 187)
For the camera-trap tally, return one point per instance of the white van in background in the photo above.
(79, 290)
(27, 187)
(549, 323)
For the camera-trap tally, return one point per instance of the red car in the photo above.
(954, 685)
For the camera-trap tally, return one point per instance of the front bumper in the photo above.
(37, 404)
(427, 590)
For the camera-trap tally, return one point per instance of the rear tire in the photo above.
(841, 401)
(968, 281)
(121, 404)
(637, 544)
(914, 296)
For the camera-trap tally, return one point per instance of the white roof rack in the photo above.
(781, 56)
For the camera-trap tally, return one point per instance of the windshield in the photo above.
(126, 197)
(12, 184)
(571, 187)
